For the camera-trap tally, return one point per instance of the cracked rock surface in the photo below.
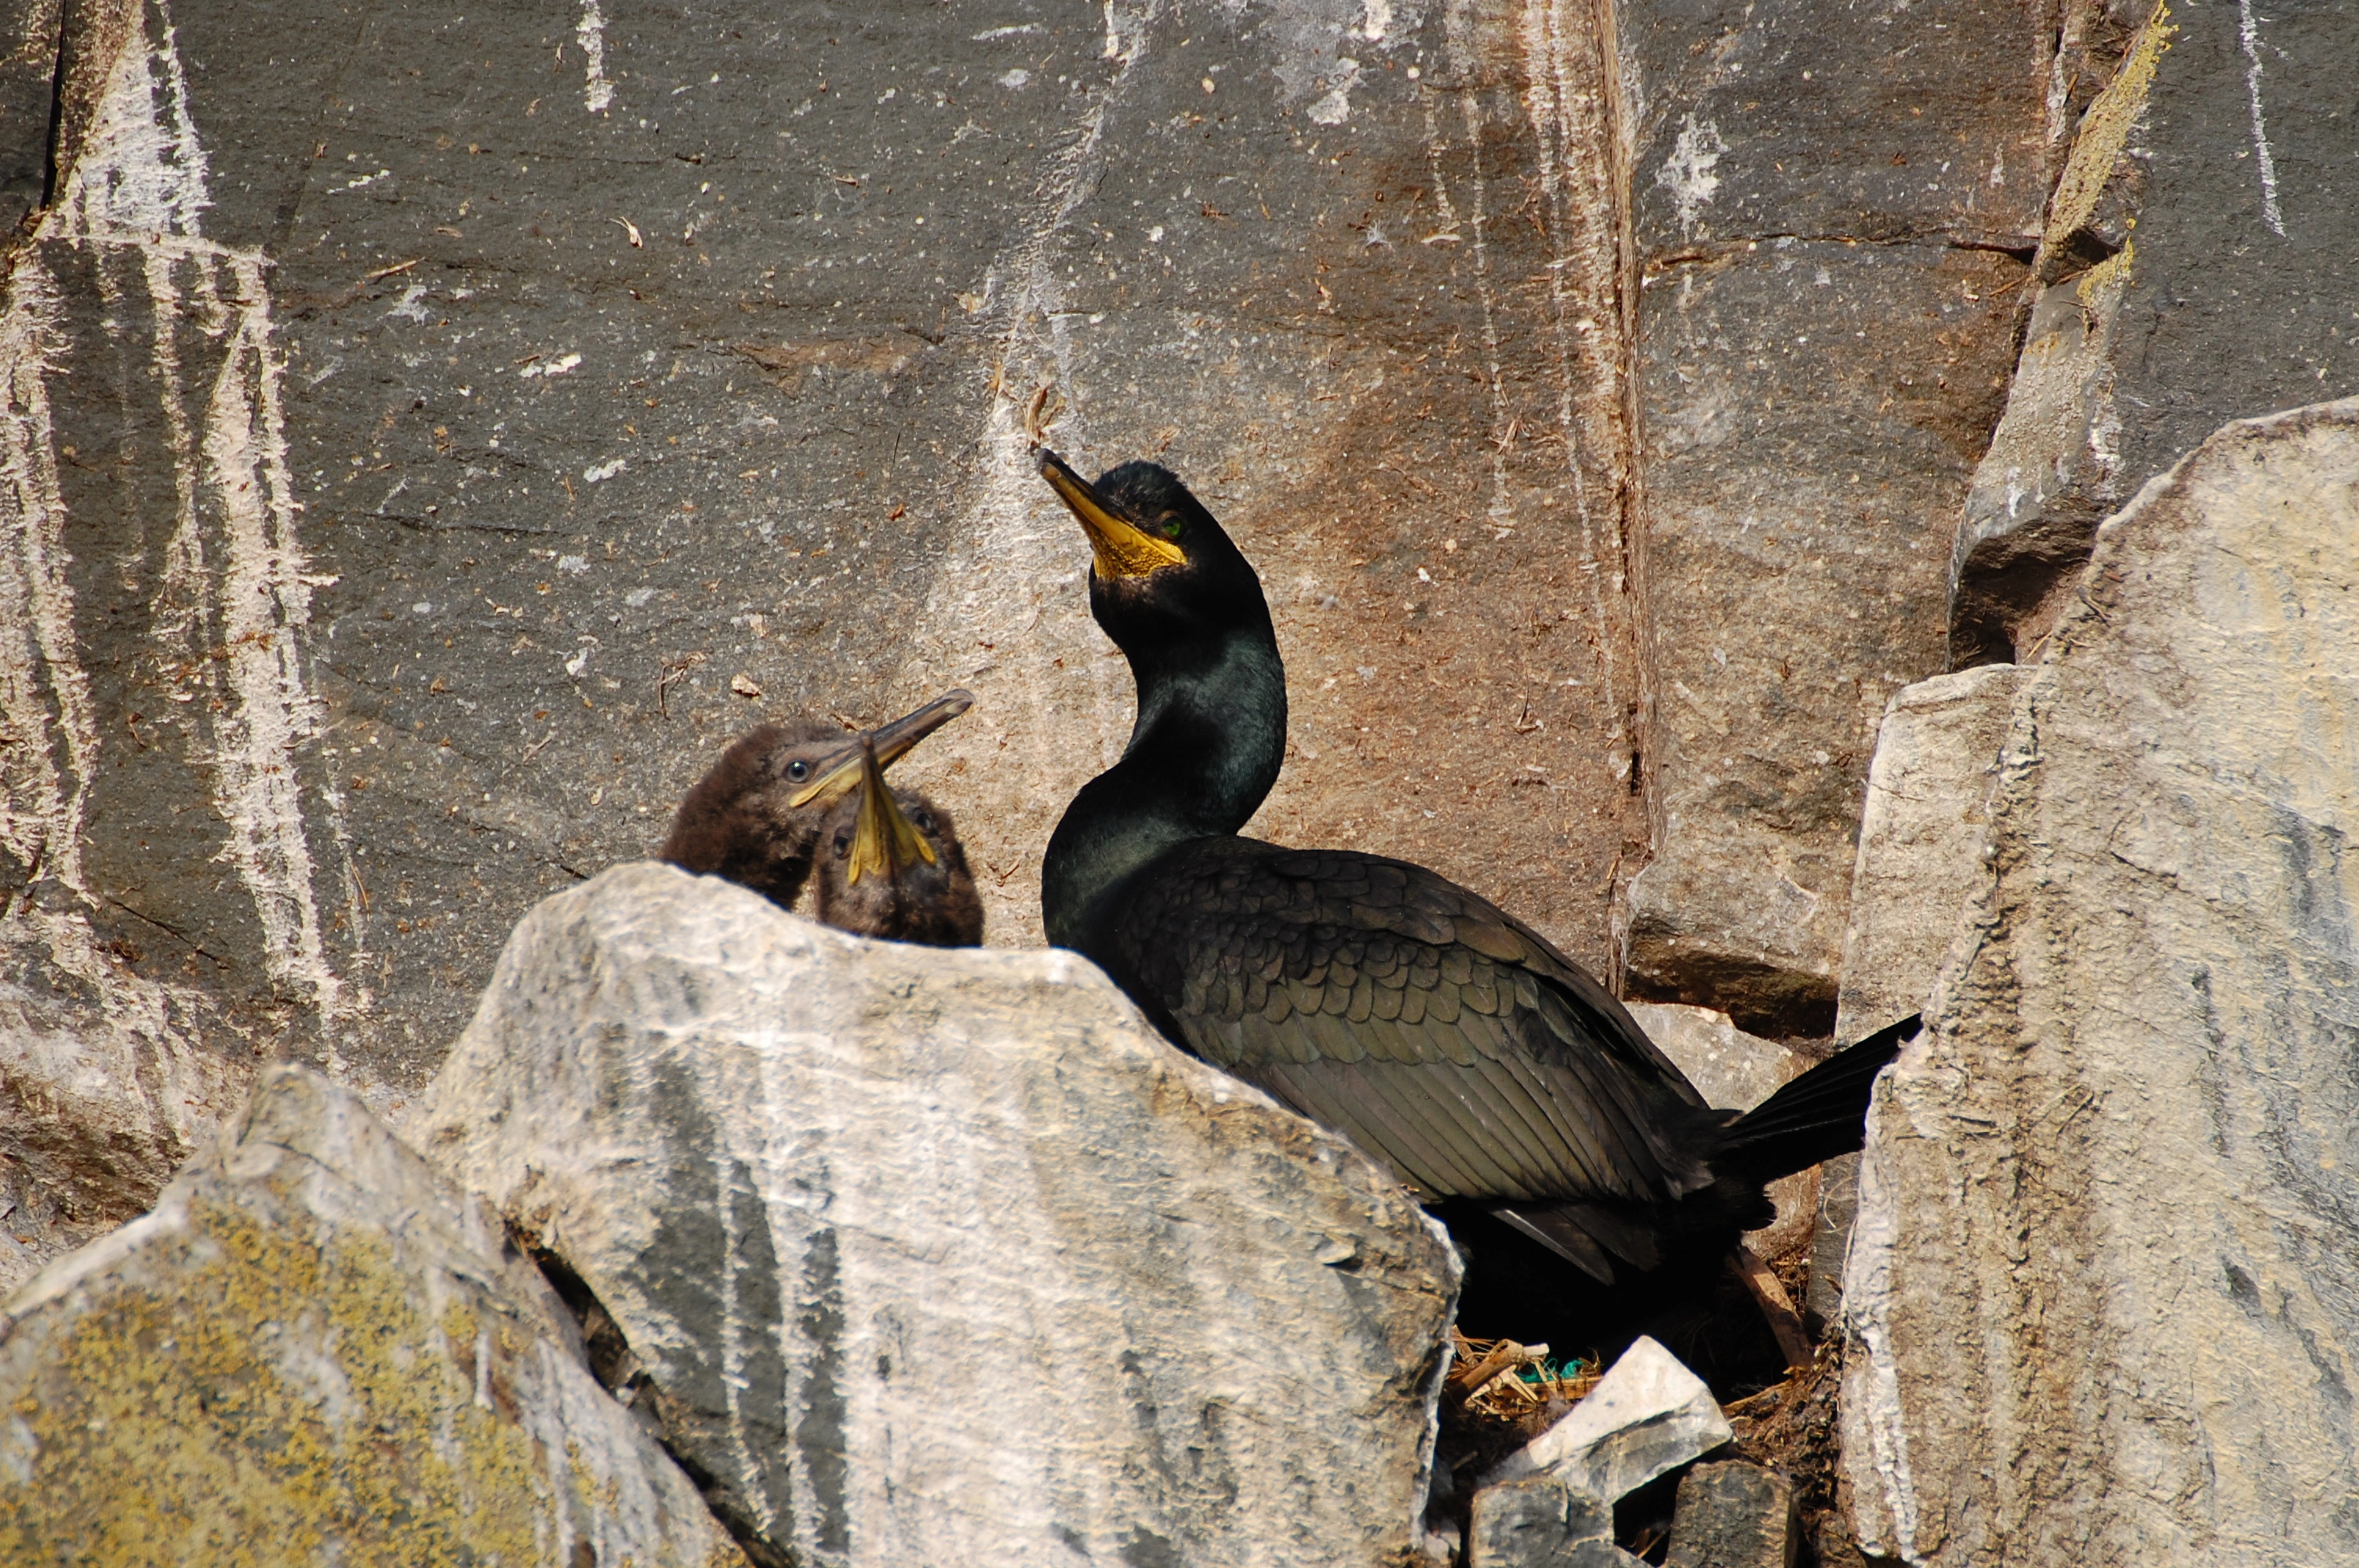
(2101, 1290)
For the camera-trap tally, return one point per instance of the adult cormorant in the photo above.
(1379, 998)
(755, 818)
(891, 865)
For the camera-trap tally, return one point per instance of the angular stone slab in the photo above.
(2102, 1286)
(1921, 844)
(2199, 265)
(1734, 1513)
(1540, 1522)
(946, 1257)
(1731, 1069)
(1648, 1416)
(1920, 839)
(315, 1350)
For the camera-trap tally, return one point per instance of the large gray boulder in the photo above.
(316, 1350)
(2102, 1293)
(946, 1257)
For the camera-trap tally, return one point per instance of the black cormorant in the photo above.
(756, 818)
(891, 865)
(1493, 1073)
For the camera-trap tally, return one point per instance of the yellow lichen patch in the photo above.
(2105, 131)
(264, 1386)
(2099, 288)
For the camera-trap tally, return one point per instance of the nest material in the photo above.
(1499, 1396)
(1503, 1380)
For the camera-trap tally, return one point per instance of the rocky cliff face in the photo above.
(1674, 441)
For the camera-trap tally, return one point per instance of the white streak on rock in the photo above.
(2248, 33)
(1464, 31)
(106, 1097)
(597, 93)
(1551, 97)
(141, 183)
(143, 171)
(40, 814)
(265, 605)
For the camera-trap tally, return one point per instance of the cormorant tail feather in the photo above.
(1818, 1116)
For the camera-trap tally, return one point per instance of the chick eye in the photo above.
(843, 845)
(798, 771)
(1172, 527)
(925, 823)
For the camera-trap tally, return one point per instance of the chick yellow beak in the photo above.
(882, 841)
(841, 772)
(1122, 549)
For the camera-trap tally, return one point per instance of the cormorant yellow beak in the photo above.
(841, 770)
(1123, 547)
(882, 842)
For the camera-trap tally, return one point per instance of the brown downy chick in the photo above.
(756, 818)
(893, 866)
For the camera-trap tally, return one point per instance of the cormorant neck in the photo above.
(1210, 740)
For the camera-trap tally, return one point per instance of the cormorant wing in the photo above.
(1411, 1015)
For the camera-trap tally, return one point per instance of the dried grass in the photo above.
(1500, 1395)
(1506, 1381)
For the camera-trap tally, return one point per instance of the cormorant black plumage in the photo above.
(756, 818)
(1377, 997)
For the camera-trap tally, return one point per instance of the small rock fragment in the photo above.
(1648, 1416)
(1538, 1521)
(1734, 1513)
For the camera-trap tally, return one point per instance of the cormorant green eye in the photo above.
(1172, 527)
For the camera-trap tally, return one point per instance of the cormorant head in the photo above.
(892, 866)
(756, 817)
(1163, 568)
